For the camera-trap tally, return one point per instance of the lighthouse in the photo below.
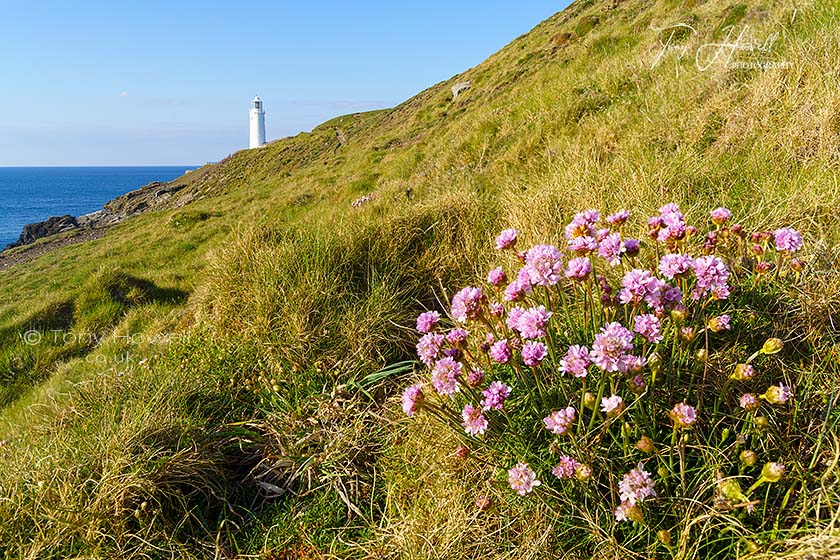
(257, 123)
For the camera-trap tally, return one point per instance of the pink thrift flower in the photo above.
(612, 347)
(583, 245)
(531, 323)
(522, 479)
(787, 239)
(581, 225)
(497, 310)
(631, 247)
(673, 265)
(683, 415)
(533, 353)
(427, 321)
(611, 248)
(445, 376)
(565, 468)
(648, 326)
(495, 396)
(576, 361)
(591, 216)
(513, 317)
(712, 274)
(506, 239)
(618, 218)
(474, 421)
(635, 285)
(517, 289)
(720, 215)
(559, 421)
(457, 337)
(497, 277)
(466, 304)
(612, 405)
(412, 399)
(475, 377)
(578, 268)
(429, 347)
(636, 486)
(500, 352)
(544, 265)
(749, 402)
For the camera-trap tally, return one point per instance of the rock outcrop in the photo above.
(154, 196)
(52, 226)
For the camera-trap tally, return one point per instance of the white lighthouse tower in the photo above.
(257, 123)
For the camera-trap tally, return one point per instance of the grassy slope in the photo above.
(280, 283)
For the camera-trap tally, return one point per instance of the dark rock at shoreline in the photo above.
(52, 226)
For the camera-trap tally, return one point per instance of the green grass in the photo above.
(228, 331)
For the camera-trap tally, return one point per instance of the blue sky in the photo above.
(146, 83)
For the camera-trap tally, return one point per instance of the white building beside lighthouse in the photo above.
(257, 123)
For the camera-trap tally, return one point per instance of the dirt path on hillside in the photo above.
(31, 252)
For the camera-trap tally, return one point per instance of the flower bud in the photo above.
(655, 363)
(743, 372)
(763, 267)
(773, 472)
(724, 435)
(798, 265)
(635, 514)
(761, 422)
(772, 346)
(731, 490)
(664, 537)
(645, 445)
(686, 334)
(583, 472)
(678, 316)
(663, 472)
(720, 323)
(690, 231)
(589, 400)
(701, 355)
(778, 394)
(462, 452)
(748, 457)
(482, 503)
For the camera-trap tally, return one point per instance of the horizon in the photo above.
(150, 86)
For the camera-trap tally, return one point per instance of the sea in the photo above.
(33, 194)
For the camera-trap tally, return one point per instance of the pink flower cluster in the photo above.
(565, 468)
(474, 421)
(495, 396)
(559, 421)
(636, 486)
(576, 361)
(612, 347)
(522, 479)
(529, 323)
(466, 304)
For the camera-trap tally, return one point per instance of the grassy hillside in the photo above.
(198, 381)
